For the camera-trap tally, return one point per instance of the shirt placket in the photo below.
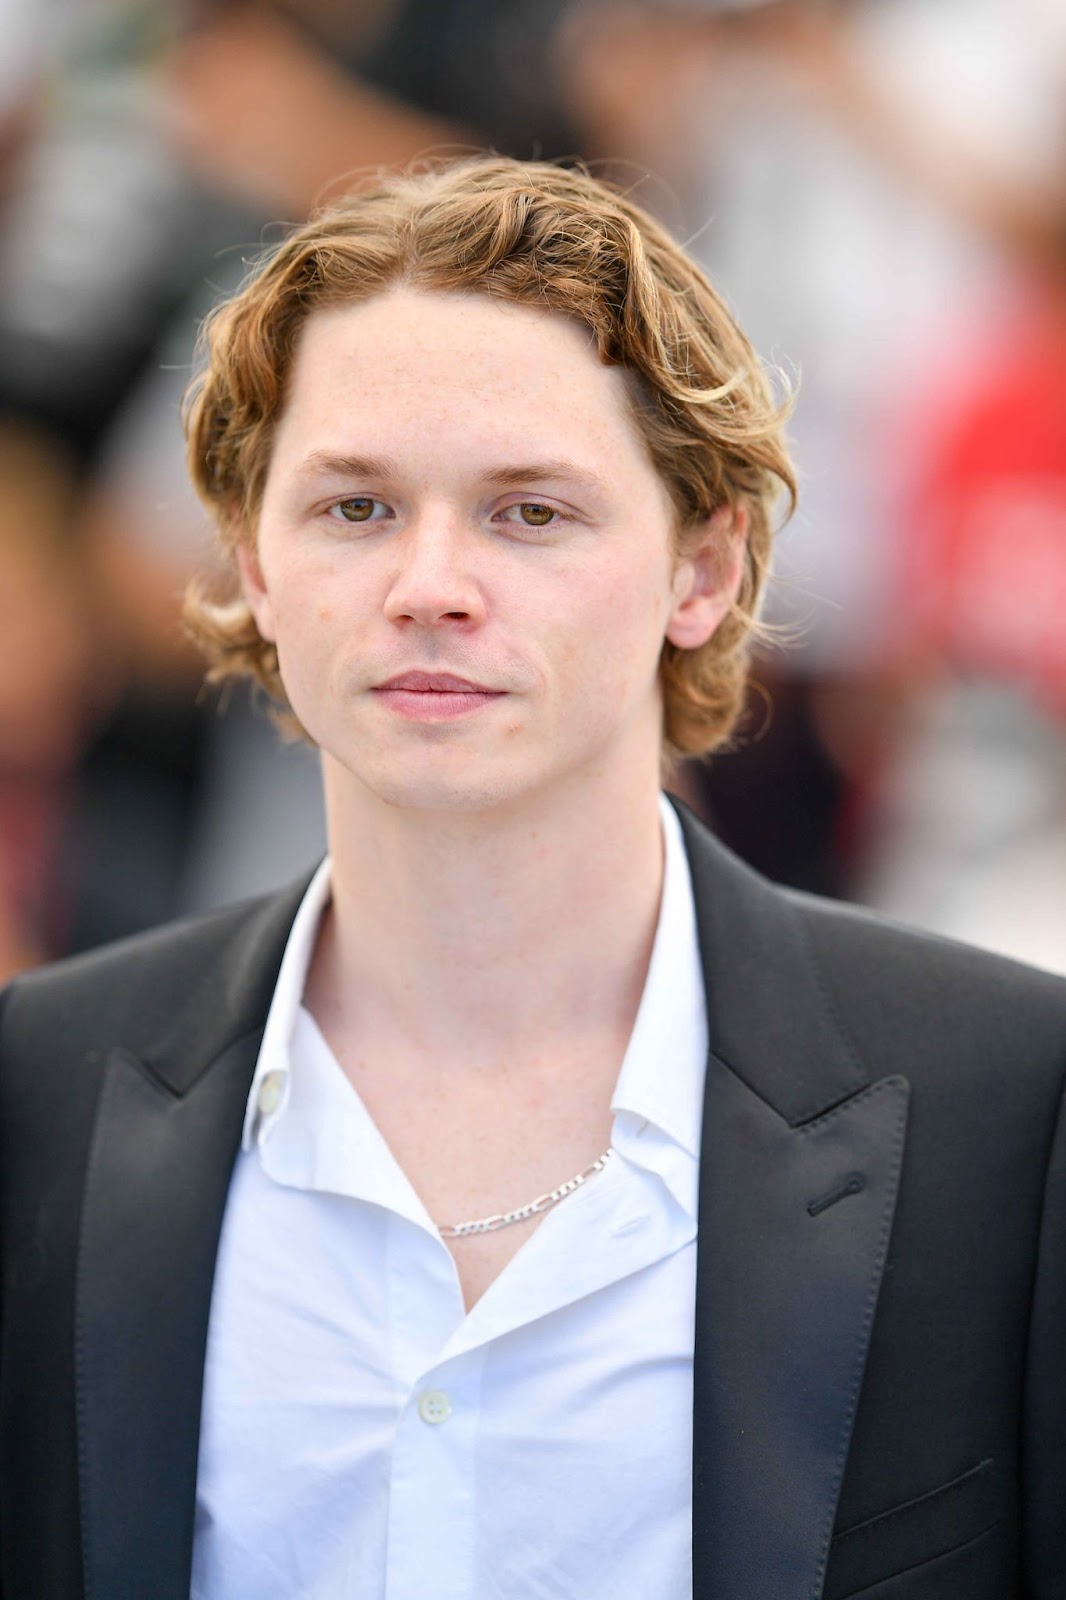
(431, 1523)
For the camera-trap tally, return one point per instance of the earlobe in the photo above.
(708, 577)
(253, 587)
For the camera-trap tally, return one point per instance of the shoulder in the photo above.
(920, 985)
(125, 993)
(948, 1016)
(899, 998)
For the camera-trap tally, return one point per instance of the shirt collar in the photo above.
(270, 1085)
(662, 1074)
(661, 1079)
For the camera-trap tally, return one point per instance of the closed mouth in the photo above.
(436, 683)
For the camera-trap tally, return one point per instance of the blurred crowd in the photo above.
(878, 187)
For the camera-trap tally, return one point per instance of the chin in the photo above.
(465, 792)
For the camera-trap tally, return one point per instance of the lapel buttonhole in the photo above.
(854, 1183)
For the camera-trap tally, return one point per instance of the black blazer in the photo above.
(880, 1348)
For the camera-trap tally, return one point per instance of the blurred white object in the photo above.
(843, 268)
(30, 33)
(972, 842)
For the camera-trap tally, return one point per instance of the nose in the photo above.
(434, 582)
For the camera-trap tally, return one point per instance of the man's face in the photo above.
(465, 557)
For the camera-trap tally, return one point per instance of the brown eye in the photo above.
(536, 515)
(359, 509)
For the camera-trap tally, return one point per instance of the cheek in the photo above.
(304, 602)
(637, 606)
(612, 645)
(305, 626)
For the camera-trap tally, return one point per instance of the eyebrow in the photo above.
(546, 471)
(325, 463)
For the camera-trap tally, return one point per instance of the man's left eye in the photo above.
(532, 512)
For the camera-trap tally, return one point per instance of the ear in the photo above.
(707, 577)
(254, 590)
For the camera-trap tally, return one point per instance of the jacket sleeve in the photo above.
(1044, 1461)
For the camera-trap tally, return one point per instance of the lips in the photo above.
(435, 683)
(435, 697)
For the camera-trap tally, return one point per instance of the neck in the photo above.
(475, 936)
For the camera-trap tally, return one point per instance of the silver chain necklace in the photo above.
(544, 1202)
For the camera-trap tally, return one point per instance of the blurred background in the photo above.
(879, 189)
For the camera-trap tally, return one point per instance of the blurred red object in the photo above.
(985, 563)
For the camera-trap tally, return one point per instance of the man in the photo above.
(350, 1237)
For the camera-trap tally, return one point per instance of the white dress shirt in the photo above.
(366, 1438)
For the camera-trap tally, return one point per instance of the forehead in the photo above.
(464, 364)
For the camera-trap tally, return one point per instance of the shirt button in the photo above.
(434, 1406)
(270, 1092)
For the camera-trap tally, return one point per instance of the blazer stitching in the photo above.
(880, 1087)
(920, 1499)
(927, 1561)
(859, 1364)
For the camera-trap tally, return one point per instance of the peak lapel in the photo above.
(166, 1134)
(799, 1171)
(794, 1228)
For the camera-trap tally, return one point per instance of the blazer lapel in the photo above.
(167, 1131)
(800, 1165)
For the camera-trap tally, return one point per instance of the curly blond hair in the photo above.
(533, 234)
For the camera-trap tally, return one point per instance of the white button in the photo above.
(434, 1406)
(270, 1092)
